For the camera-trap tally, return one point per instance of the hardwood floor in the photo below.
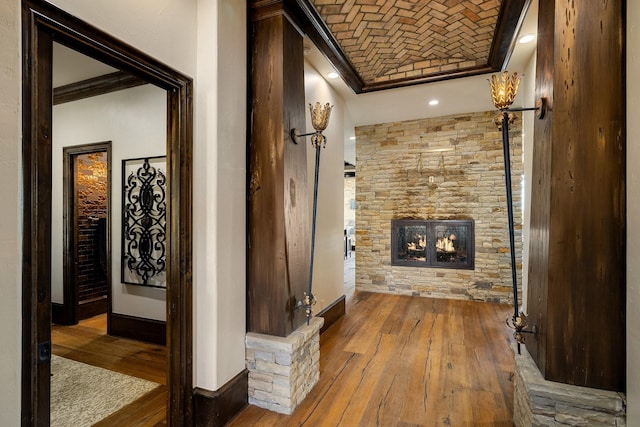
(391, 361)
(88, 343)
(408, 361)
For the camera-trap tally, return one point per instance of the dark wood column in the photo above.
(278, 223)
(577, 267)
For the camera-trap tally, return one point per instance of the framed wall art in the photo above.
(144, 221)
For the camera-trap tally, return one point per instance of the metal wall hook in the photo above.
(519, 324)
(295, 135)
(541, 108)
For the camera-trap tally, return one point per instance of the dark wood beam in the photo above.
(278, 246)
(95, 86)
(577, 288)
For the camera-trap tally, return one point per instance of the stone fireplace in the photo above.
(432, 243)
(447, 167)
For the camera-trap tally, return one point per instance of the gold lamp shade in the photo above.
(504, 89)
(320, 115)
(319, 120)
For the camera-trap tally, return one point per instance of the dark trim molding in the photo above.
(332, 313)
(217, 408)
(42, 23)
(316, 29)
(57, 313)
(95, 86)
(510, 19)
(138, 328)
(84, 311)
(428, 79)
(87, 309)
(69, 232)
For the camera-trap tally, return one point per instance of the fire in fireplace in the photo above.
(432, 243)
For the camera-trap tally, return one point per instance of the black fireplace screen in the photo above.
(432, 243)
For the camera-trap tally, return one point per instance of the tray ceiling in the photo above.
(401, 42)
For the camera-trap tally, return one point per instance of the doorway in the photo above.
(86, 252)
(43, 24)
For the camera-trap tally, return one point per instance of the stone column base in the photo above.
(282, 371)
(538, 402)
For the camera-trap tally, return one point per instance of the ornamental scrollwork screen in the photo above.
(144, 218)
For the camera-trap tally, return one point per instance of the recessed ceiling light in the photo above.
(352, 138)
(527, 38)
(333, 75)
(434, 102)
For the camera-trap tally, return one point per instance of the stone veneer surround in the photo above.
(448, 167)
(283, 370)
(538, 402)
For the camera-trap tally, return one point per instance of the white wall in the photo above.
(328, 272)
(219, 223)
(10, 217)
(633, 213)
(191, 36)
(134, 120)
(168, 31)
(164, 29)
(349, 144)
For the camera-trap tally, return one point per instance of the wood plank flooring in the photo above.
(88, 343)
(391, 361)
(408, 361)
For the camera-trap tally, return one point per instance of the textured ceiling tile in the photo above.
(400, 39)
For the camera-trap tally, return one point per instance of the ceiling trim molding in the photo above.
(428, 79)
(510, 18)
(95, 86)
(311, 23)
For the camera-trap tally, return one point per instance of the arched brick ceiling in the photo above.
(397, 42)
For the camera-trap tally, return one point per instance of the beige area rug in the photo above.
(82, 395)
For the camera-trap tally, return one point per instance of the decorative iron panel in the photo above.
(144, 213)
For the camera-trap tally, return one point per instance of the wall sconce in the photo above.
(319, 120)
(503, 93)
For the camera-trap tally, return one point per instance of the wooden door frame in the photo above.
(69, 228)
(42, 23)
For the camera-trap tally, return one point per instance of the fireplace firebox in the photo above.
(433, 243)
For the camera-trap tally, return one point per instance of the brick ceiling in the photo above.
(390, 43)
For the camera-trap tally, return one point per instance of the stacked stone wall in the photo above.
(538, 402)
(283, 370)
(448, 167)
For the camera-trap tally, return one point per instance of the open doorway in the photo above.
(86, 241)
(349, 226)
(43, 24)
